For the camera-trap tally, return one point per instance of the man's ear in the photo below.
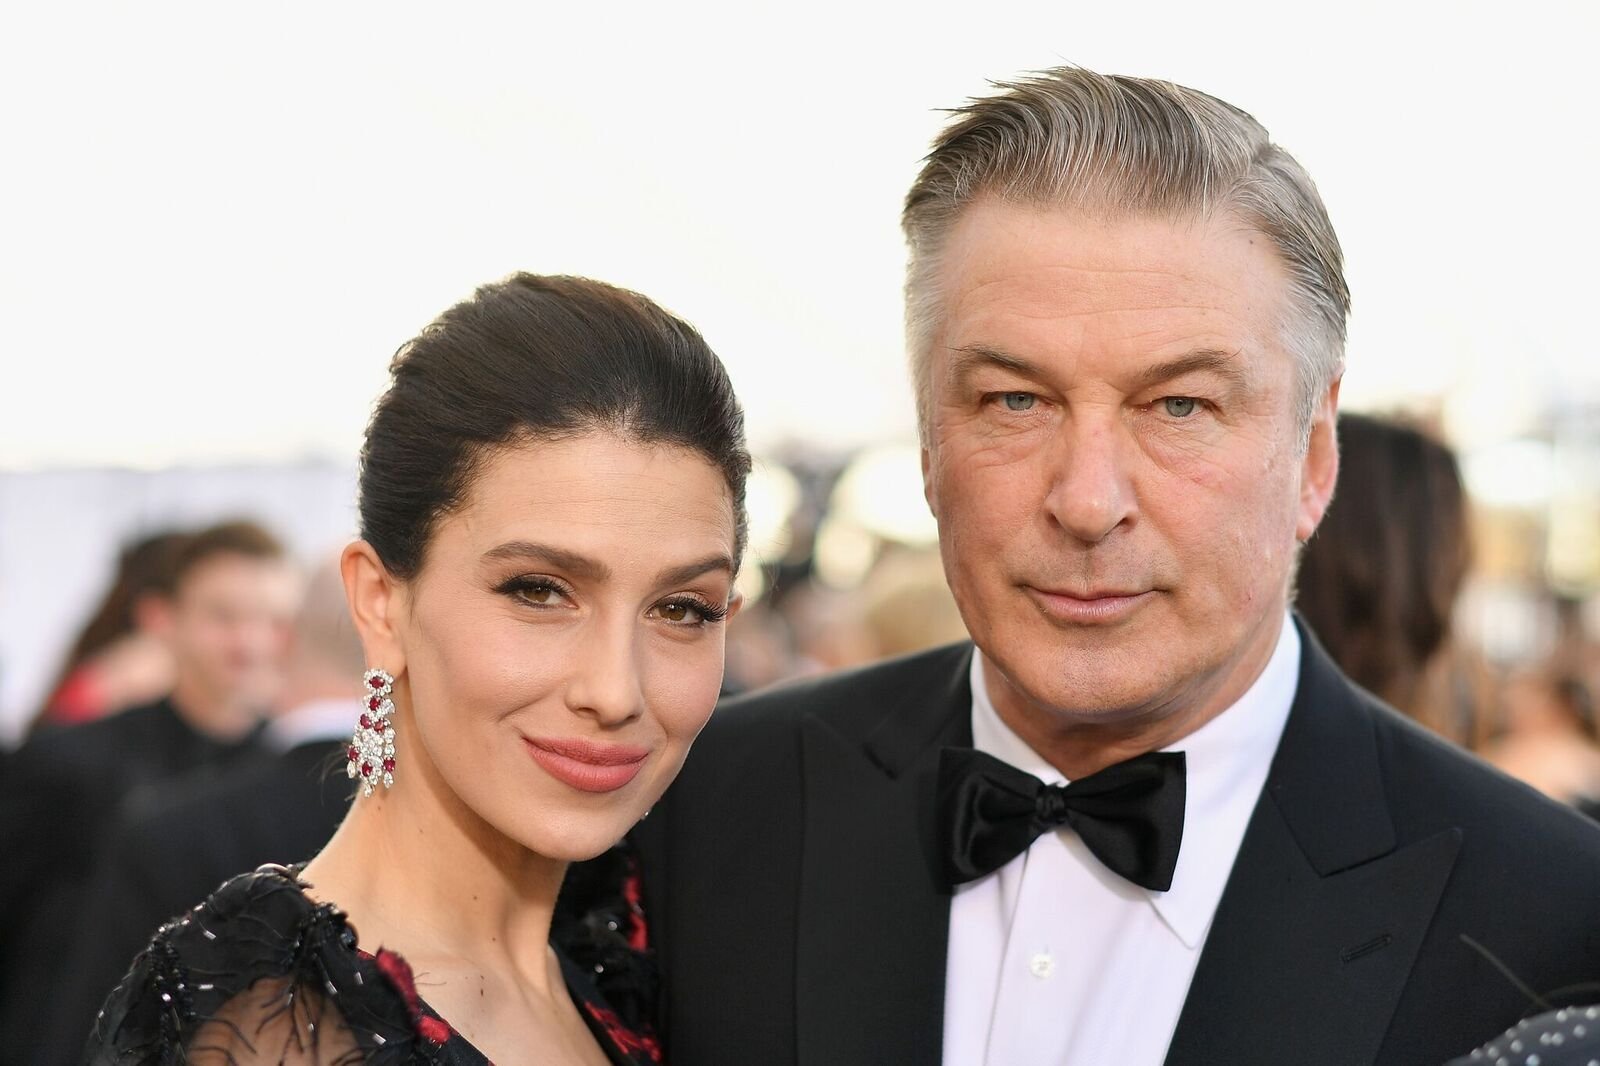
(375, 600)
(1319, 468)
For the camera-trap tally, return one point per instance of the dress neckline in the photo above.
(619, 1043)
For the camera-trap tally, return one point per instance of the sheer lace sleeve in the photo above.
(258, 974)
(275, 1022)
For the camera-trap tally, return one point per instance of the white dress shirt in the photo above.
(1056, 961)
(316, 720)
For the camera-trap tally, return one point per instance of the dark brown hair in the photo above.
(1378, 581)
(536, 358)
(236, 537)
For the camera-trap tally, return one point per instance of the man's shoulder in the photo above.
(274, 787)
(1433, 784)
(87, 745)
(850, 701)
(754, 740)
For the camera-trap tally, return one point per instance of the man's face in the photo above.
(231, 618)
(1113, 457)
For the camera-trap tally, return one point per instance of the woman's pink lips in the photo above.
(587, 766)
(1099, 608)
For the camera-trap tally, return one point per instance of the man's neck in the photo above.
(212, 716)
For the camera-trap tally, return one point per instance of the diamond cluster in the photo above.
(371, 753)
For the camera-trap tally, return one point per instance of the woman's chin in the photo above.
(577, 839)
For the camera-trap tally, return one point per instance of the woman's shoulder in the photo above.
(258, 968)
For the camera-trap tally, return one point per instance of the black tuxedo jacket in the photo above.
(791, 886)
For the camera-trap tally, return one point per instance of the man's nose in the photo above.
(1090, 493)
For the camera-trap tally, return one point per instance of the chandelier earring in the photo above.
(371, 753)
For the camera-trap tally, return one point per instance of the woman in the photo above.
(552, 498)
(1379, 581)
(120, 660)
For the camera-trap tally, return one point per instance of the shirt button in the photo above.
(1042, 965)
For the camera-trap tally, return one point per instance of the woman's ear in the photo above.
(376, 600)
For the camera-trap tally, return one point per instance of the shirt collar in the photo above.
(1227, 761)
(316, 720)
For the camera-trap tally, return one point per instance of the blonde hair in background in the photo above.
(1117, 146)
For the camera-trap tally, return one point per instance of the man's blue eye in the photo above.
(1180, 406)
(1019, 401)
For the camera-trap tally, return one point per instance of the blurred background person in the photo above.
(906, 606)
(121, 658)
(234, 592)
(1547, 736)
(1378, 583)
(169, 847)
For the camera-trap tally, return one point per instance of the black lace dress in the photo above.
(261, 973)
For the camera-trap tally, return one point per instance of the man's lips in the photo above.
(587, 765)
(1095, 607)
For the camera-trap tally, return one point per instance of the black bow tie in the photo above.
(1130, 815)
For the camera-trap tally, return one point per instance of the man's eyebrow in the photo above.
(1218, 361)
(1225, 364)
(973, 357)
(597, 571)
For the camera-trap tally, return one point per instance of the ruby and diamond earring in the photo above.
(371, 753)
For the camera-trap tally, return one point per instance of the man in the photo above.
(234, 593)
(1126, 313)
(168, 848)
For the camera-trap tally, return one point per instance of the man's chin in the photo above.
(1090, 687)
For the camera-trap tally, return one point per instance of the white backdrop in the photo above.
(217, 220)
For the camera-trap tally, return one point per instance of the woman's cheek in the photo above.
(683, 688)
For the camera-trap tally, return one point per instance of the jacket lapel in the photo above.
(873, 915)
(1323, 914)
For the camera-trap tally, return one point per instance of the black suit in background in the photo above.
(169, 850)
(792, 889)
(58, 794)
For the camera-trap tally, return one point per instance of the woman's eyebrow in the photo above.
(570, 561)
(679, 575)
(583, 566)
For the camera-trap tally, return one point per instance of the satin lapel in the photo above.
(1323, 916)
(873, 919)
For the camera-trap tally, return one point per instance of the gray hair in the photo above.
(1127, 146)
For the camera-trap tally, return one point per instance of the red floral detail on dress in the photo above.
(397, 970)
(434, 1030)
(624, 1038)
(632, 891)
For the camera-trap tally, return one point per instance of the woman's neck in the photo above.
(421, 874)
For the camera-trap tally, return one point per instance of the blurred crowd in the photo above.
(191, 727)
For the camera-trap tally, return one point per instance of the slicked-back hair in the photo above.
(1117, 146)
(536, 358)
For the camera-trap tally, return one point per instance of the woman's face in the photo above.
(563, 641)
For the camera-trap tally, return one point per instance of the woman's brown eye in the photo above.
(675, 612)
(537, 595)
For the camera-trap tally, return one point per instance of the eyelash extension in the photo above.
(709, 613)
(524, 583)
